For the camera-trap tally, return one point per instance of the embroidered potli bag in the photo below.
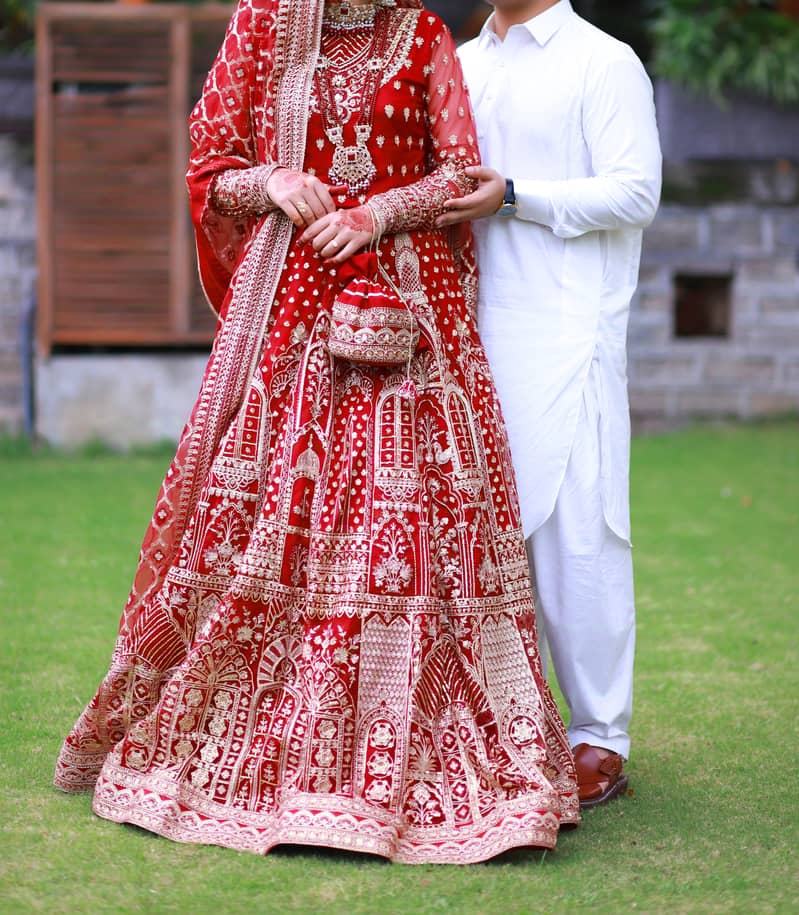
(370, 323)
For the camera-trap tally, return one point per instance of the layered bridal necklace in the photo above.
(349, 56)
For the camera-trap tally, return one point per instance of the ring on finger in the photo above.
(302, 207)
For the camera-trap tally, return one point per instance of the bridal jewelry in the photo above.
(352, 166)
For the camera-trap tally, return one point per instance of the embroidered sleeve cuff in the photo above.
(418, 205)
(242, 192)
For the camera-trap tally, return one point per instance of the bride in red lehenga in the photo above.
(330, 638)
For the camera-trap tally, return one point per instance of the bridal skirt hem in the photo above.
(167, 809)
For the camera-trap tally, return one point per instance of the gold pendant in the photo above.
(353, 166)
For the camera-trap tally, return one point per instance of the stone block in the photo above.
(780, 269)
(672, 370)
(10, 361)
(711, 402)
(17, 222)
(654, 278)
(745, 312)
(9, 260)
(11, 420)
(121, 399)
(740, 370)
(659, 303)
(780, 309)
(770, 403)
(768, 336)
(737, 229)
(646, 403)
(674, 229)
(648, 334)
(9, 328)
(692, 126)
(789, 372)
(11, 392)
(786, 229)
(14, 297)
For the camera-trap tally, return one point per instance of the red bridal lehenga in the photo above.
(330, 639)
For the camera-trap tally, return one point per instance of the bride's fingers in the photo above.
(334, 247)
(351, 247)
(325, 194)
(327, 237)
(317, 205)
(315, 229)
(290, 209)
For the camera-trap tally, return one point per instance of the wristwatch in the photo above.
(508, 206)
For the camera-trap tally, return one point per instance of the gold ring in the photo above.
(302, 207)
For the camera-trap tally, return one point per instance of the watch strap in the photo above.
(510, 193)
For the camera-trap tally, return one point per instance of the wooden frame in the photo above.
(115, 248)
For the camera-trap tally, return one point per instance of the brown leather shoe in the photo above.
(599, 775)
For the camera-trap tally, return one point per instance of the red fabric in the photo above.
(230, 127)
(340, 647)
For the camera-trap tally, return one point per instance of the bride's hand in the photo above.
(302, 197)
(337, 236)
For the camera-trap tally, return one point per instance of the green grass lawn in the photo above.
(711, 823)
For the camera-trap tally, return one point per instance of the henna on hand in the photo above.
(338, 236)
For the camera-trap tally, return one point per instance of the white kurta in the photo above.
(567, 112)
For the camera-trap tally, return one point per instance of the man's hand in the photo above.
(485, 201)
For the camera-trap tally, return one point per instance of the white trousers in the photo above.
(583, 583)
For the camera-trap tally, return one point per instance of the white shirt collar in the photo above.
(542, 27)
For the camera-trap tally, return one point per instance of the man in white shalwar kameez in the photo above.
(571, 176)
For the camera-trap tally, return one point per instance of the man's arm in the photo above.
(621, 134)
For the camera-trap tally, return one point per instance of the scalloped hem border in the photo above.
(342, 830)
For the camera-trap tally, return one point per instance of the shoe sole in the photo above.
(616, 789)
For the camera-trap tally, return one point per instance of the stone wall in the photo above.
(754, 371)
(17, 272)
(121, 399)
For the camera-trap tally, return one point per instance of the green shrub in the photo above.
(16, 24)
(714, 46)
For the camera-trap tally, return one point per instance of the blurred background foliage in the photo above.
(16, 24)
(716, 46)
(709, 46)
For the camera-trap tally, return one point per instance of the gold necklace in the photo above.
(349, 15)
(353, 166)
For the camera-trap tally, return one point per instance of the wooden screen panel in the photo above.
(111, 199)
(114, 87)
(126, 51)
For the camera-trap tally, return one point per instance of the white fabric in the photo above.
(567, 112)
(585, 609)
